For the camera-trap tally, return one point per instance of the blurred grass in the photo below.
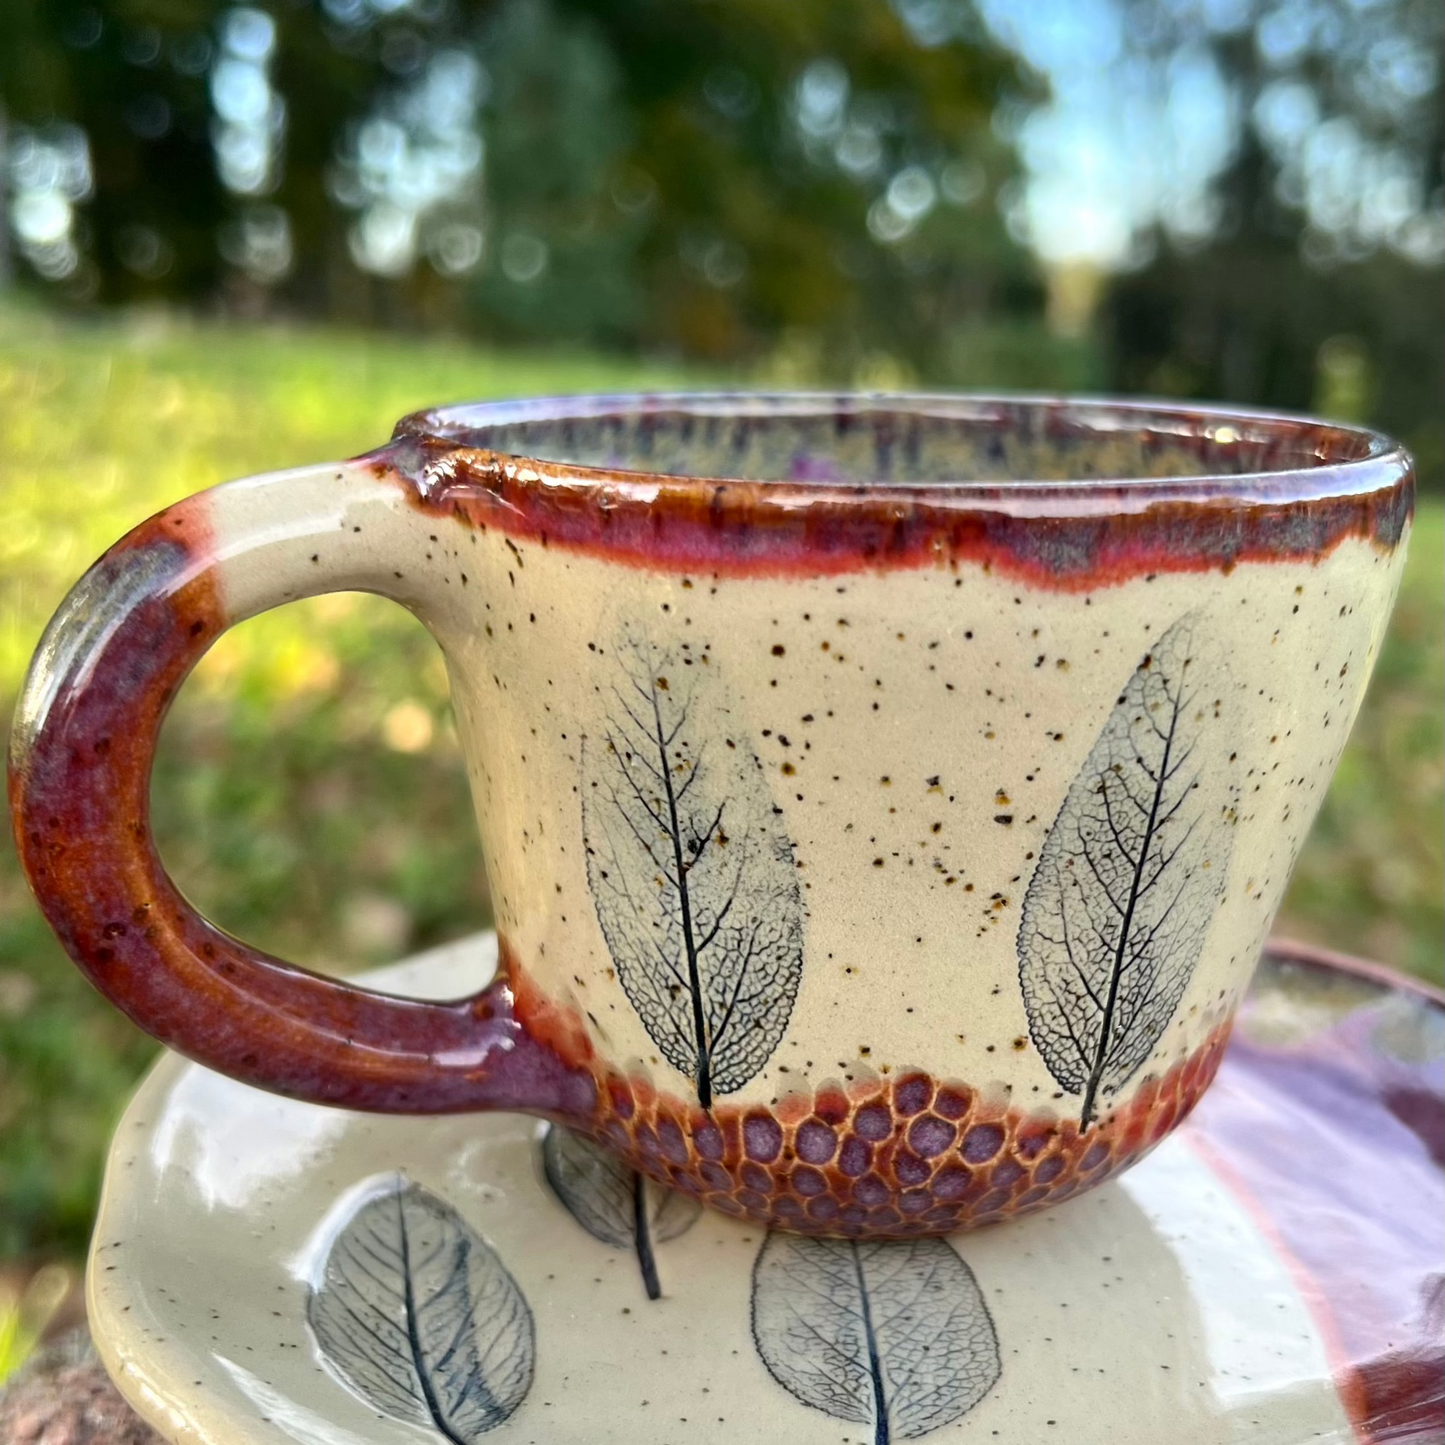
(1372, 874)
(309, 792)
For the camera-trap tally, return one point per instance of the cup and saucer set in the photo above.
(886, 801)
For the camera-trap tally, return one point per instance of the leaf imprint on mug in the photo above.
(613, 1202)
(890, 1333)
(1119, 905)
(418, 1315)
(691, 873)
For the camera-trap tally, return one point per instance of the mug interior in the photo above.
(867, 440)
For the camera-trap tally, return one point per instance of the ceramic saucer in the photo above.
(265, 1271)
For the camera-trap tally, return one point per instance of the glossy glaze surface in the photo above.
(879, 845)
(1270, 1275)
(80, 761)
(746, 484)
(877, 1156)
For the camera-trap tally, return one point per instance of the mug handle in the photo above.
(82, 745)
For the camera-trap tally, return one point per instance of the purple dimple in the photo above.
(1005, 1173)
(716, 1176)
(647, 1144)
(870, 1189)
(708, 1141)
(684, 1182)
(952, 1182)
(756, 1178)
(994, 1199)
(981, 1143)
(852, 1213)
(912, 1095)
(788, 1206)
(815, 1141)
(1049, 1169)
(823, 1208)
(909, 1168)
(809, 1181)
(915, 1201)
(673, 1145)
(1031, 1196)
(762, 1138)
(1094, 1156)
(855, 1157)
(874, 1122)
(930, 1135)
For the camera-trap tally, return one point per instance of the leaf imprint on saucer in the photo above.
(691, 872)
(889, 1333)
(418, 1315)
(1119, 905)
(613, 1202)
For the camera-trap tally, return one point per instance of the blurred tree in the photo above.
(1336, 161)
(824, 169)
(695, 177)
(135, 94)
(566, 209)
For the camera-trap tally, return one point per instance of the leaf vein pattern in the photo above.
(1116, 913)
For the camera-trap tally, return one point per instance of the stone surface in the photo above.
(64, 1397)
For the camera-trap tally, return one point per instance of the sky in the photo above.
(1109, 153)
(1119, 145)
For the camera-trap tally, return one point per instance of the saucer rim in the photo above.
(120, 1360)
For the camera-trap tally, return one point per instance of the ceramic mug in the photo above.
(885, 799)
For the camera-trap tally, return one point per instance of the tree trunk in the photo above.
(5, 264)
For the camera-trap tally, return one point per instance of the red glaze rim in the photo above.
(1321, 484)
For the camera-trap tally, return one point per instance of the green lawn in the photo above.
(309, 794)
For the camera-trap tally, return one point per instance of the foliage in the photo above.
(25, 1313)
(557, 92)
(834, 185)
(1247, 321)
(1300, 284)
(309, 794)
(1370, 878)
(687, 176)
(1338, 118)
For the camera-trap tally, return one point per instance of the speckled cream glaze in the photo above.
(917, 652)
(1259, 1279)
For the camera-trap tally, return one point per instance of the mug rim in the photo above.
(1348, 460)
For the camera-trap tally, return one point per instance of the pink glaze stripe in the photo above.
(1349, 1187)
(1071, 537)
